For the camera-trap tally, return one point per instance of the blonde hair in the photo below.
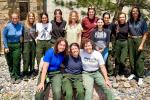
(77, 17)
(27, 23)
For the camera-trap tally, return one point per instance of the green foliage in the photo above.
(107, 5)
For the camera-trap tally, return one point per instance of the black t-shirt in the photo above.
(111, 28)
(122, 31)
(58, 29)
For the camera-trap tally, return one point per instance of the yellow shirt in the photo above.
(73, 33)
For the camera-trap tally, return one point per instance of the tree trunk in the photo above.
(120, 5)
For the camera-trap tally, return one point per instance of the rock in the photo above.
(1, 87)
(117, 78)
(147, 79)
(121, 84)
(118, 98)
(126, 98)
(115, 85)
(126, 85)
(123, 78)
(139, 97)
(122, 90)
(133, 84)
(15, 96)
(132, 97)
(147, 98)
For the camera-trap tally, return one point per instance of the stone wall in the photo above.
(8, 6)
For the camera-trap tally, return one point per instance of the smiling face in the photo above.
(91, 13)
(44, 19)
(135, 13)
(15, 18)
(73, 17)
(58, 16)
(106, 19)
(122, 18)
(61, 46)
(31, 18)
(74, 51)
(100, 23)
(88, 47)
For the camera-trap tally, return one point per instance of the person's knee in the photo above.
(57, 91)
(80, 91)
(39, 96)
(69, 94)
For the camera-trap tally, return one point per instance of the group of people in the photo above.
(74, 53)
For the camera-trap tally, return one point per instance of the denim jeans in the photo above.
(105, 54)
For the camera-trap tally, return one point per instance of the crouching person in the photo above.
(51, 71)
(72, 77)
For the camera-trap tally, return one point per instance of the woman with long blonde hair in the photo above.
(74, 28)
(29, 45)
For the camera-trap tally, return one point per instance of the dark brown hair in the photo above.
(106, 13)
(91, 8)
(121, 14)
(139, 16)
(55, 12)
(41, 15)
(74, 44)
(59, 40)
(85, 41)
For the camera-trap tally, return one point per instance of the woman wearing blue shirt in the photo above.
(12, 34)
(72, 77)
(51, 70)
(138, 33)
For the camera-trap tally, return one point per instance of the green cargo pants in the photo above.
(29, 53)
(55, 80)
(136, 57)
(88, 81)
(121, 54)
(42, 47)
(70, 82)
(13, 58)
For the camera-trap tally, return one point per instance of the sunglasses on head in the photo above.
(91, 7)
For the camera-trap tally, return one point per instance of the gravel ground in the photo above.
(122, 88)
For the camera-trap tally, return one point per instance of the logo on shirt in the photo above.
(90, 60)
(44, 32)
(100, 35)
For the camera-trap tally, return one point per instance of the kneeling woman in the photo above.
(92, 61)
(51, 70)
(72, 74)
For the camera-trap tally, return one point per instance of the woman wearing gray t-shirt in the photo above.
(101, 38)
(92, 61)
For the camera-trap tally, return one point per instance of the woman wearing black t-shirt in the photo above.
(58, 26)
(121, 46)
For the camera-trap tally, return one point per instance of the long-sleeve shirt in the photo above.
(122, 31)
(101, 38)
(88, 26)
(12, 33)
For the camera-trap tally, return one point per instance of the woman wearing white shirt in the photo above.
(43, 30)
